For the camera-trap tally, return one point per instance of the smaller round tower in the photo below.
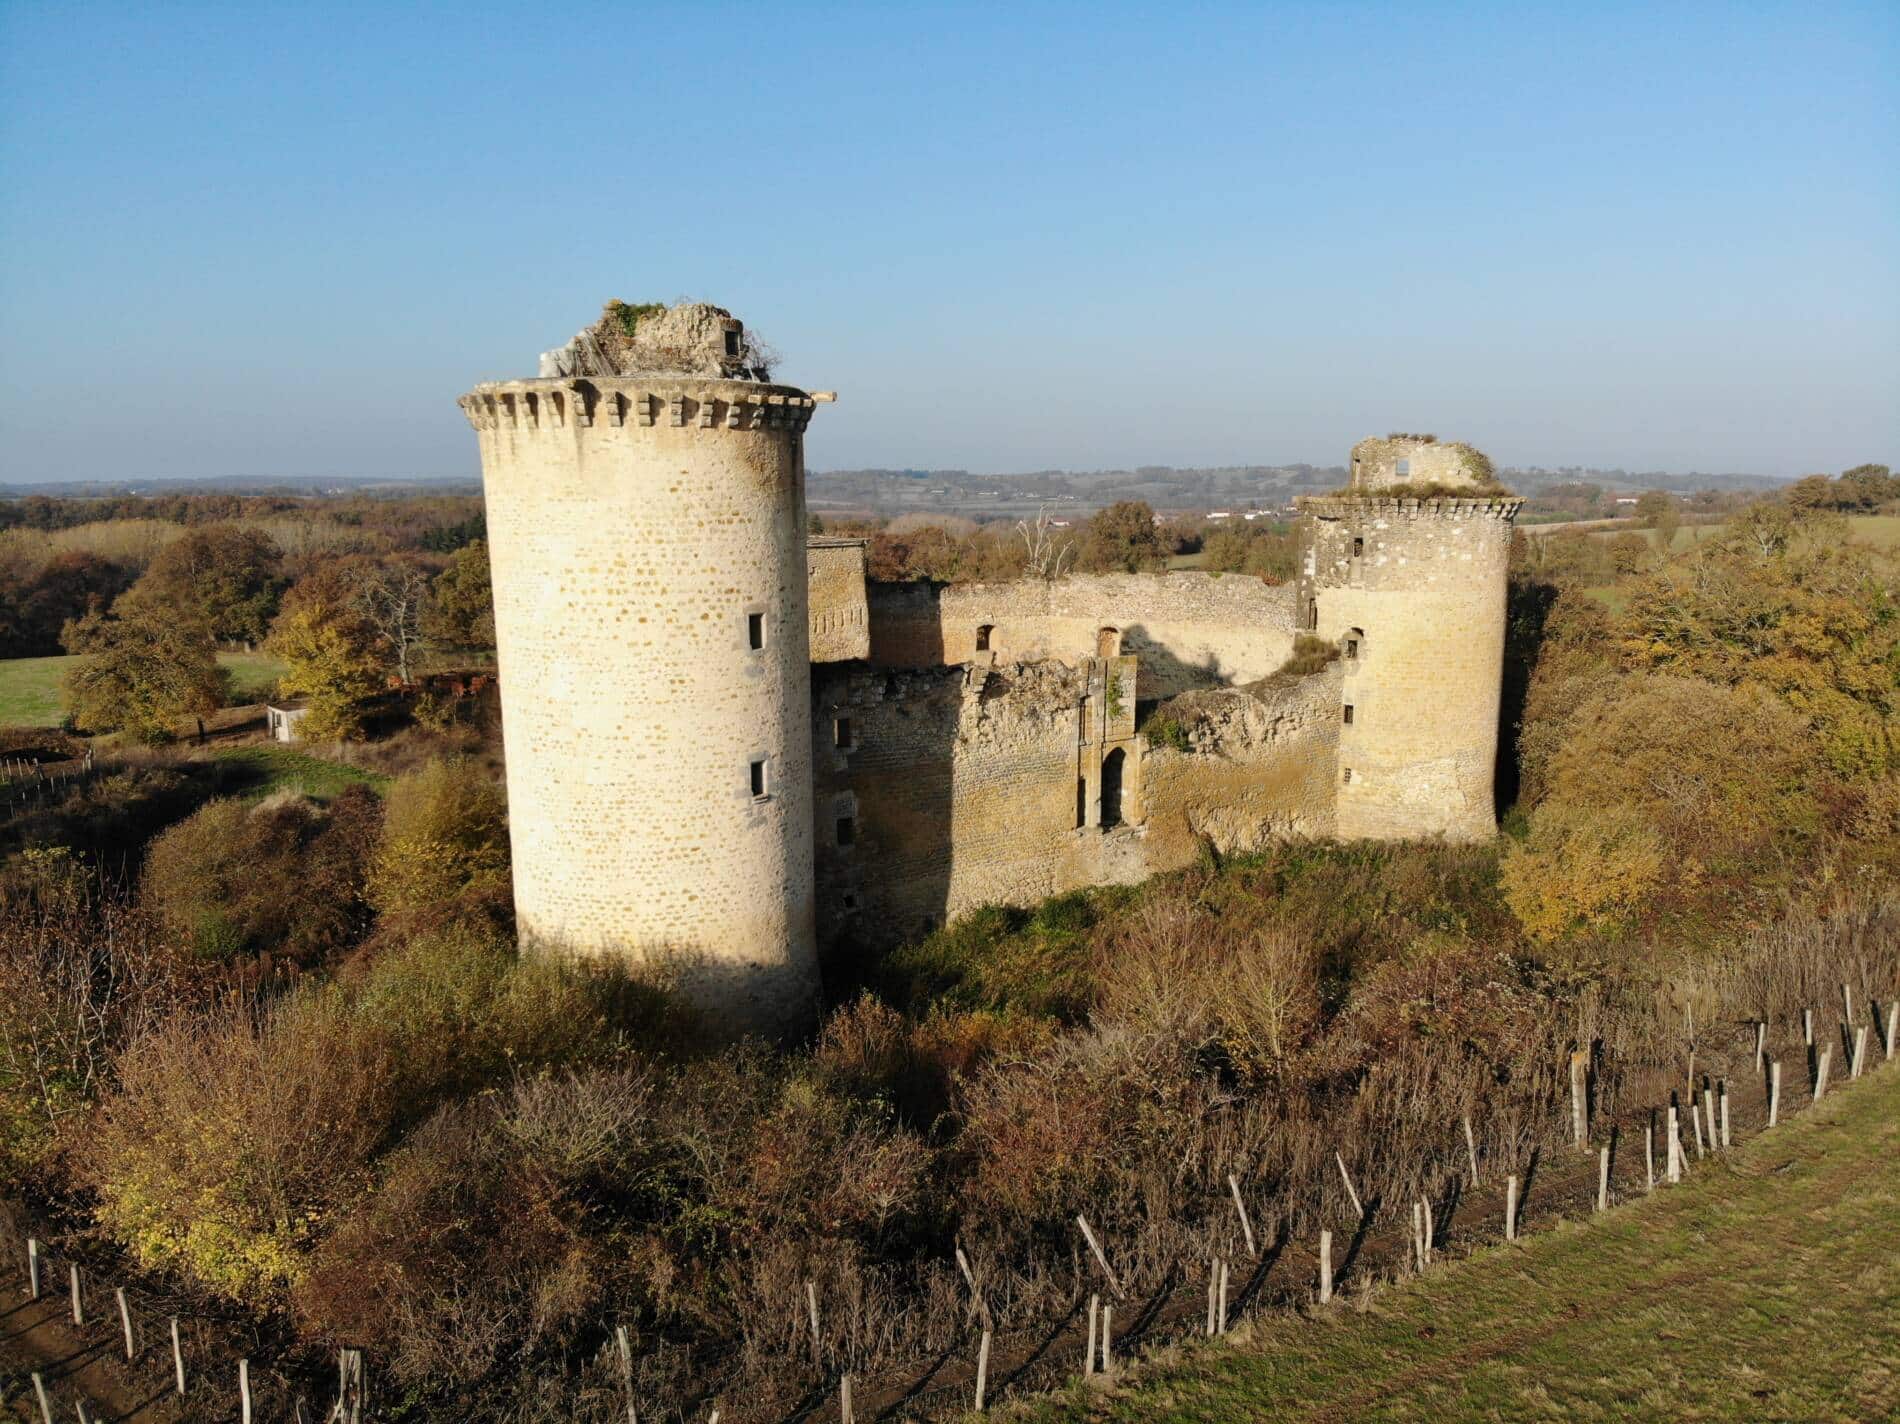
(1405, 571)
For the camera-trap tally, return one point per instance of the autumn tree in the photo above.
(141, 672)
(1122, 538)
(221, 576)
(460, 612)
(330, 654)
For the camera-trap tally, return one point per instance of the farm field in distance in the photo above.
(32, 692)
(1764, 1287)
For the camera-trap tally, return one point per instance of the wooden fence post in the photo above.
(1358, 1211)
(1774, 1090)
(1213, 1277)
(1649, 1152)
(1088, 1358)
(1108, 1338)
(125, 1319)
(1223, 1297)
(1579, 1112)
(1695, 1120)
(1240, 1207)
(1761, 1042)
(1325, 1266)
(1723, 1094)
(1510, 1208)
(178, 1357)
(244, 1390)
(1820, 1073)
(845, 1414)
(1114, 1281)
(1675, 1146)
(811, 1304)
(32, 1268)
(1603, 1178)
(1893, 1027)
(982, 1370)
(79, 1311)
(46, 1406)
(1471, 1150)
(1860, 1049)
(623, 1347)
(1708, 1112)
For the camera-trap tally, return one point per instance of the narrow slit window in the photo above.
(847, 830)
(760, 784)
(1349, 714)
(841, 733)
(983, 638)
(732, 343)
(1358, 548)
(1352, 650)
(755, 631)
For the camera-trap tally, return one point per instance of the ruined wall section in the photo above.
(840, 619)
(1260, 767)
(1414, 593)
(943, 789)
(647, 539)
(1187, 629)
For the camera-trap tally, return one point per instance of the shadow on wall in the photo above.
(1160, 673)
(1527, 607)
(883, 764)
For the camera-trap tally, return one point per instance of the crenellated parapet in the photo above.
(1338, 506)
(528, 407)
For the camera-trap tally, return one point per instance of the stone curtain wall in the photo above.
(1188, 629)
(1426, 588)
(963, 788)
(1260, 767)
(840, 620)
(635, 528)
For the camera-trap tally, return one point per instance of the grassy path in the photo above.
(1767, 1287)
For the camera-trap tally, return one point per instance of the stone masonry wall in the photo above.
(1260, 767)
(1187, 629)
(840, 619)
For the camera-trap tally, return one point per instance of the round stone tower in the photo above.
(647, 539)
(1406, 572)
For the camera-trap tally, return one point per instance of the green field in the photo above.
(32, 695)
(1767, 1287)
(263, 769)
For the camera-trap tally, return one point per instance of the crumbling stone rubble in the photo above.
(691, 339)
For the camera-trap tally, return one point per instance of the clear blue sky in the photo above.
(281, 240)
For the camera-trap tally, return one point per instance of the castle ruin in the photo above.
(726, 748)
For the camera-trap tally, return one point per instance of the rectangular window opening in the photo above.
(760, 787)
(732, 343)
(1352, 649)
(1349, 714)
(1358, 548)
(755, 631)
(847, 830)
(1404, 467)
(1347, 778)
(841, 733)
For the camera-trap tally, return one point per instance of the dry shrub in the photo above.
(283, 877)
(445, 835)
(79, 978)
(234, 1140)
(1249, 987)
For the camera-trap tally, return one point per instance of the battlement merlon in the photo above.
(561, 402)
(1349, 506)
